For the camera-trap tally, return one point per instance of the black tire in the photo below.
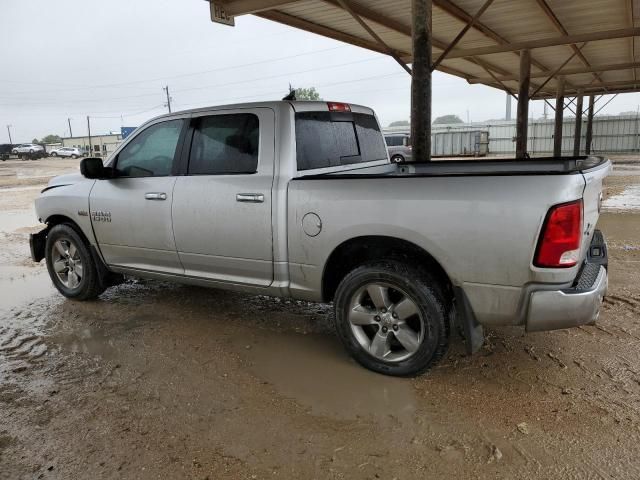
(89, 286)
(74, 156)
(54, 154)
(426, 294)
(397, 159)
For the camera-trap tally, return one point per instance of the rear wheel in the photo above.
(391, 318)
(70, 264)
(397, 159)
(54, 154)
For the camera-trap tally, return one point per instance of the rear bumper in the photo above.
(578, 305)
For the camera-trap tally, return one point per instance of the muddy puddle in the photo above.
(315, 371)
(18, 287)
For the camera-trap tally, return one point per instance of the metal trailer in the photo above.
(453, 141)
(460, 143)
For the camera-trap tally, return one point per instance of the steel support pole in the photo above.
(578, 131)
(522, 119)
(421, 80)
(589, 135)
(557, 131)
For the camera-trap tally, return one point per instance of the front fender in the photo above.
(70, 201)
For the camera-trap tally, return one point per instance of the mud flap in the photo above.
(105, 276)
(37, 242)
(466, 320)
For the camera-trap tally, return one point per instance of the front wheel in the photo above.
(397, 159)
(391, 318)
(74, 156)
(54, 154)
(70, 264)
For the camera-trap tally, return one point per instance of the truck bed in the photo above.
(476, 167)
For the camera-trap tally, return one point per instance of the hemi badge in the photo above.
(83, 213)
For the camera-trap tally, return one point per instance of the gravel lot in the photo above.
(156, 380)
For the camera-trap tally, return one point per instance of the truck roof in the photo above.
(298, 106)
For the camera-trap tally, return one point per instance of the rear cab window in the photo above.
(332, 139)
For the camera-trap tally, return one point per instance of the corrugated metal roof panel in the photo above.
(504, 23)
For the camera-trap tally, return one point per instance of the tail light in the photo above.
(338, 107)
(559, 243)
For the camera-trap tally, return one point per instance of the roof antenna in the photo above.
(292, 94)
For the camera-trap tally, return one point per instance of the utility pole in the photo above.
(507, 115)
(168, 104)
(89, 130)
(70, 132)
(9, 132)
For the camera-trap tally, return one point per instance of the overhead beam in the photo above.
(502, 84)
(546, 42)
(373, 16)
(456, 12)
(244, 7)
(555, 72)
(462, 33)
(560, 28)
(297, 22)
(565, 72)
(594, 90)
(346, 6)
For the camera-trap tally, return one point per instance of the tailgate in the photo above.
(592, 199)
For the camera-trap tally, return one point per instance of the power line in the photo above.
(182, 75)
(325, 67)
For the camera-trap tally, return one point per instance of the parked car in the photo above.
(399, 147)
(72, 152)
(299, 199)
(5, 151)
(27, 148)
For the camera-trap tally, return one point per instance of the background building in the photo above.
(101, 145)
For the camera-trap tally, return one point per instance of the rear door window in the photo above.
(225, 144)
(326, 139)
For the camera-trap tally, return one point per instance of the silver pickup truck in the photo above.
(299, 199)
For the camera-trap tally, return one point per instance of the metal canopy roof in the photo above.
(594, 44)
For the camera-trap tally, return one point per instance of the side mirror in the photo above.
(93, 168)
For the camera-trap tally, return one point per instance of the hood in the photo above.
(64, 180)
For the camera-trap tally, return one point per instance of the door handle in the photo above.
(155, 196)
(250, 197)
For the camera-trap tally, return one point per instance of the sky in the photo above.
(69, 59)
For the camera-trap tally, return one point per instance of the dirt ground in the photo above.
(155, 380)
